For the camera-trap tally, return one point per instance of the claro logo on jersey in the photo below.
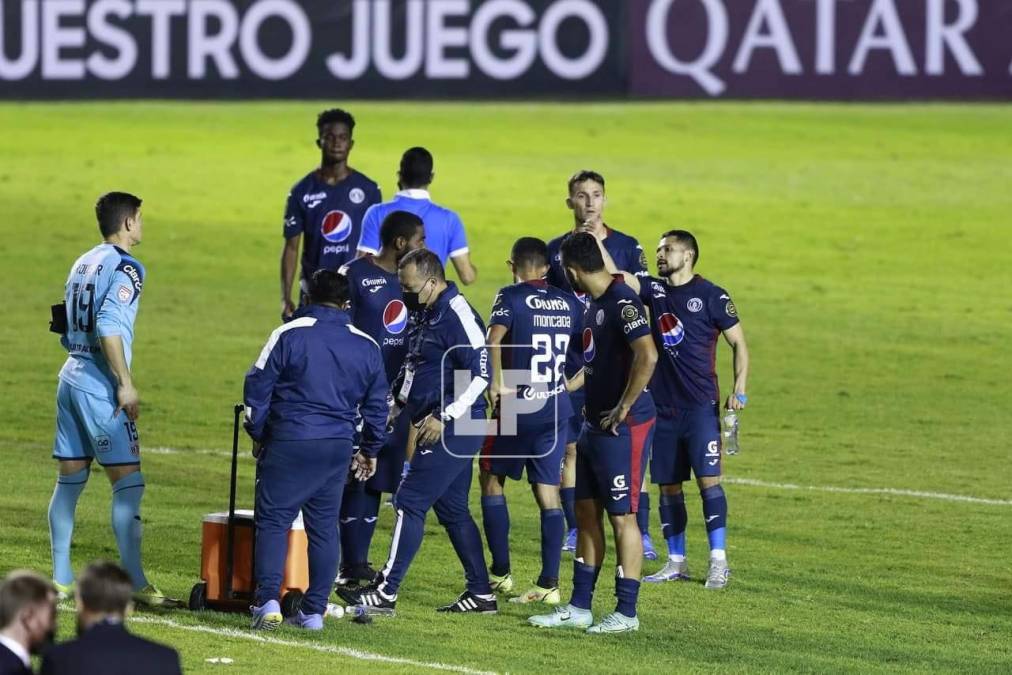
(395, 317)
(336, 226)
(672, 330)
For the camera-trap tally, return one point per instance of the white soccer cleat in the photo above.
(718, 575)
(672, 571)
(565, 616)
(615, 623)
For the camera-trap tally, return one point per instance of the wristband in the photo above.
(742, 398)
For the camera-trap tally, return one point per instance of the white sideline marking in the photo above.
(312, 646)
(870, 491)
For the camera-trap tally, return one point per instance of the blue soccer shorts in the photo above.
(686, 441)
(610, 468)
(86, 429)
(539, 450)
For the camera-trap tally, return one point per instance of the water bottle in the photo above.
(729, 431)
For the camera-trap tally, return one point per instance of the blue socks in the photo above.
(627, 592)
(126, 524)
(61, 522)
(674, 520)
(495, 518)
(359, 512)
(568, 496)
(643, 513)
(584, 580)
(715, 515)
(552, 533)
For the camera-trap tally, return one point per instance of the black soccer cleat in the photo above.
(469, 602)
(370, 599)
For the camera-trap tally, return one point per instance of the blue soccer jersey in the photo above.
(541, 322)
(378, 309)
(624, 250)
(686, 322)
(610, 324)
(102, 294)
(329, 218)
(444, 232)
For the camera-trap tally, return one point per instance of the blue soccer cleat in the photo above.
(648, 548)
(570, 544)
(306, 621)
(267, 616)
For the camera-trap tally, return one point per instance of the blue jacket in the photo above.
(449, 337)
(314, 377)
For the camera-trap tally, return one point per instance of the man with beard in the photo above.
(104, 646)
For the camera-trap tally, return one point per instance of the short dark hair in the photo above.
(335, 116)
(585, 174)
(399, 224)
(685, 238)
(529, 252)
(20, 589)
(416, 168)
(328, 286)
(581, 250)
(426, 262)
(105, 588)
(113, 208)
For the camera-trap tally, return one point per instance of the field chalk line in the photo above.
(919, 494)
(312, 646)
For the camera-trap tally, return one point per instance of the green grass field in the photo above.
(867, 248)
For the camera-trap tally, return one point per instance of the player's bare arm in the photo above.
(735, 338)
(609, 263)
(127, 398)
(289, 262)
(496, 334)
(466, 271)
(575, 382)
(644, 361)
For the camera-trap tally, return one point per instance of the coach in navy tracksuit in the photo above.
(441, 386)
(316, 374)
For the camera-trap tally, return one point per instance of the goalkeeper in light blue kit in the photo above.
(96, 402)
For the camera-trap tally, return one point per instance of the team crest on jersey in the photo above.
(600, 317)
(336, 226)
(357, 196)
(589, 350)
(731, 309)
(671, 329)
(694, 304)
(395, 317)
(124, 293)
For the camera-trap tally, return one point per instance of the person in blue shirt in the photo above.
(316, 377)
(587, 199)
(688, 314)
(325, 210)
(441, 389)
(530, 329)
(97, 402)
(444, 231)
(619, 359)
(377, 308)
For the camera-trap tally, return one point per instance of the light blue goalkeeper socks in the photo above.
(61, 522)
(126, 524)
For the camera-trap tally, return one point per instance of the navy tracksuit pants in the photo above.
(441, 480)
(294, 475)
